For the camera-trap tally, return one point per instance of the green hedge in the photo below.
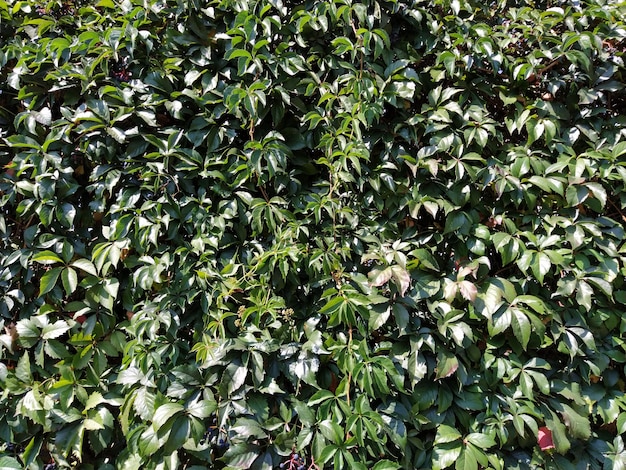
(263, 234)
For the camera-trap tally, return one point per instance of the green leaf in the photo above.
(94, 400)
(23, 370)
(130, 376)
(46, 257)
(541, 380)
(445, 455)
(332, 305)
(319, 397)
(578, 425)
(202, 409)
(149, 442)
(28, 331)
(576, 195)
(54, 330)
(85, 265)
(9, 463)
(426, 259)
(584, 294)
(540, 265)
(178, 435)
(31, 452)
(466, 461)
(327, 453)
(521, 327)
(598, 192)
(621, 423)
(535, 130)
(417, 368)
(245, 427)
(480, 440)
(143, 402)
(385, 465)
(69, 279)
(378, 317)
(331, 431)
(447, 434)
(234, 377)
(48, 280)
(164, 413)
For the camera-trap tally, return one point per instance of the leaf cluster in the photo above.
(319, 234)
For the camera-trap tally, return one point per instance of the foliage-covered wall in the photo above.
(263, 234)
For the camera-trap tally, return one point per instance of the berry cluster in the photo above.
(50, 466)
(119, 70)
(14, 448)
(122, 75)
(295, 462)
(215, 437)
(67, 8)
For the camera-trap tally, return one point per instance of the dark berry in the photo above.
(14, 448)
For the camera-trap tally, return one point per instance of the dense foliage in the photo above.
(263, 234)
